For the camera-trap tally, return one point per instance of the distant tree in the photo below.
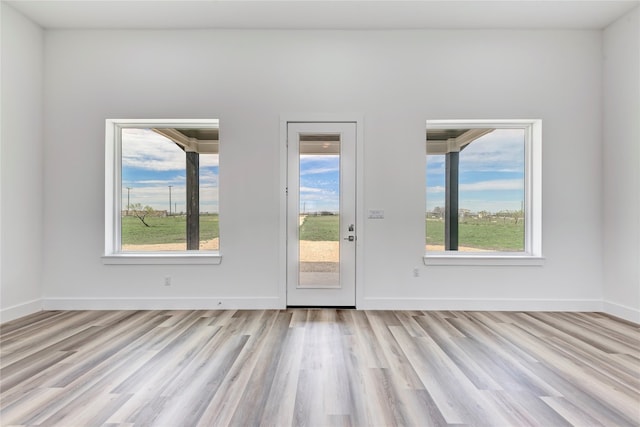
(519, 215)
(141, 212)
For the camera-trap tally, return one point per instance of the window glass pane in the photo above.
(154, 192)
(319, 212)
(435, 202)
(209, 209)
(485, 179)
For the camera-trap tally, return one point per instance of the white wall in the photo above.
(21, 165)
(397, 80)
(621, 153)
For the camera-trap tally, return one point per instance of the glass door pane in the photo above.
(319, 211)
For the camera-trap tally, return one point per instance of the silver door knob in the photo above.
(350, 238)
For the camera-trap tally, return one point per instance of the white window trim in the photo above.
(113, 200)
(532, 254)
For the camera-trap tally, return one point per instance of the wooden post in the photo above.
(451, 201)
(193, 200)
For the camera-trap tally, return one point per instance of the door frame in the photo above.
(358, 120)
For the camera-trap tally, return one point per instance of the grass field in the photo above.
(505, 236)
(171, 229)
(320, 228)
(501, 235)
(481, 234)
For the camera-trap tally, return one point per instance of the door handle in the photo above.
(350, 238)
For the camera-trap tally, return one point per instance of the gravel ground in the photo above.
(309, 251)
(319, 251)
(208, 245)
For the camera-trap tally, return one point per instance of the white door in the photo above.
(321, 214)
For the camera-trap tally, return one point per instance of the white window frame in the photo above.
(532, 254)
(113, 197)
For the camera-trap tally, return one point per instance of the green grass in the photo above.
(320, 228)
(481, 234)
(501, 235)
(172, 229)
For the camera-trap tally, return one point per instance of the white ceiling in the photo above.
(335, 14)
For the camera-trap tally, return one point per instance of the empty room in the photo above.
(324, 213)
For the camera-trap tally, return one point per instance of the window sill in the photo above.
(490, 259)
(163, 258)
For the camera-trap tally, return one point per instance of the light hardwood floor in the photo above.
(319, 367)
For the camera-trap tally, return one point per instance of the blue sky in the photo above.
(151, 163)
(319, 183)
(491, 176)
(491, 173)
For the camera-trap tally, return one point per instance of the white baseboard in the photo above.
(475, 304)
(622, 311)
(20, 310)
(264, 303)
(275, 303)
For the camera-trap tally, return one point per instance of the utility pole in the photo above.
(170, 199)
(128, 204)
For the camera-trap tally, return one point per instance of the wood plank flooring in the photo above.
(322, 367)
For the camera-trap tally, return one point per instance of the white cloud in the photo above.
(318, 199)
(209, 160)
(311, 190)
(495, 185)
(145, 149)
(313, 164)
(208, 178)
(499, 151)
(435, 189)
(151, 182)
(319, 158)
(318, 171)
(176, 180)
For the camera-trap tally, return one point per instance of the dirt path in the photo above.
(319, 251)
(207, 245)
(309, 251)
(460, 248)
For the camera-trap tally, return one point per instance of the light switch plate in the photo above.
(376, 214)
